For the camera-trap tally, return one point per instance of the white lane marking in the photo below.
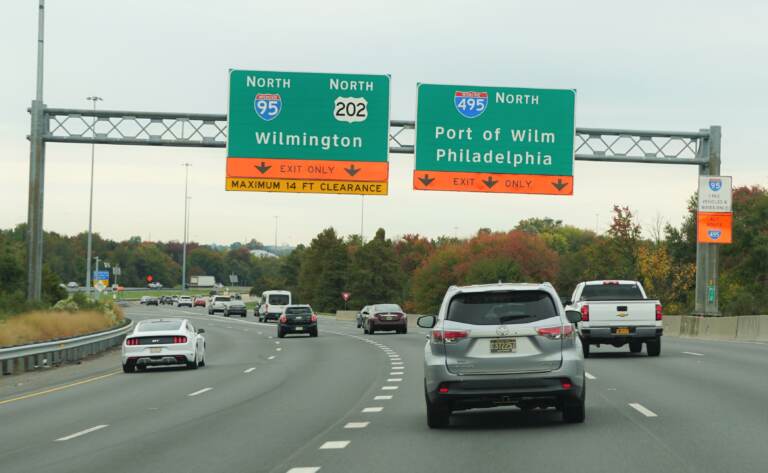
(261, 333)
(249, 370)
(270, 337)
(397, 362)
(394, 380)
(334, 445)
(201, 391)
(305, 469)
(692, 353)
(277, 343)
(278, 349)
(642, 409)
(382, 398)
(356, 425)
(271, 357)
(82, 432)
(372, 409)
(389, 388)
(589, 375)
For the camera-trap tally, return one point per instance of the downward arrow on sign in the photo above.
(490, 182)
(559, 185)
(352, 170)
(426, 180)
(263, 168)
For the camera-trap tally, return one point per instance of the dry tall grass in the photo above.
(40, 326)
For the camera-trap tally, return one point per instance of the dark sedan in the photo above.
(297, 319)
(385, 317)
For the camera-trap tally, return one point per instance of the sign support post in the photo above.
(707, 293)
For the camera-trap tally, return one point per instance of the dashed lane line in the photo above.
(305, 469)
(334, 445)
(271, 357)
(693, 353)
(642, 409)
(382, 398)
(589, 375)
(394, 380)
(199, 392)
(389, 388)
(368, 410)
(249, 370)
(356, 425)
(81, 433)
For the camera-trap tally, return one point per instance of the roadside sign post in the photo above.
(494, 139)
(308, 133)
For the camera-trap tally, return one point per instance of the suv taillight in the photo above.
(658, 312)
(180, 339)
(556, 332)
(585, 313)
(314, 317)
(448, 336)
(132, 341)
(283, 319)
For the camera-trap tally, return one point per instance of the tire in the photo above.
(202, 362)
(129, 367)
(226, 313)
(438, 414)
(371, 330)
(653, 347)
(280, 333)
(192, 365)
(210, 312)
(585, 348)
(141, 367)
(404, 330)
(365, 329)
(313, 333)
(358, 325)
(635, 347)
(574, 411)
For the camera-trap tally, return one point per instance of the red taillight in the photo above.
(658, 312)
(179, 339)
(132, 341)
(565, 383)
(585, 313)
(556, 332)
(443, 389)
(313, 318)
(448, 336)
(283, 319)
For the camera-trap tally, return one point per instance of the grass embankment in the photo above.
(203, 291)
(66, 319)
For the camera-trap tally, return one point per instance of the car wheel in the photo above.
(128, 367)
(280, 333)
(192, 364)
(438, 414)
(313, 333)
(358, 325)
(574, 411)
(210, 312)
(585, 348)
(635, 347)
(202, 362)
(653, 347)
(404, 330)
(371, 330)
(226, 313)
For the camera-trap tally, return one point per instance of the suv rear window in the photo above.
(278, 299)
(611, 292)
(298, 311)
(498, 308)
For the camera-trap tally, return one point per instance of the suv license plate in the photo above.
(503, 345)
(299, 329)
(622, 331)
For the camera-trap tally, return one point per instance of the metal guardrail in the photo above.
(23, 358)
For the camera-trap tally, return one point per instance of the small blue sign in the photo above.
(714, 234)
(715, 184)
(100, 275)
(268, 106)
(470, 104)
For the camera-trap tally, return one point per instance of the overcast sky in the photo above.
(639, 65)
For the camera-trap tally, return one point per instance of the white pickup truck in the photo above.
(617, 313)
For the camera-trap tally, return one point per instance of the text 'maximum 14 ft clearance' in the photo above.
(308, 132)
(494, 139)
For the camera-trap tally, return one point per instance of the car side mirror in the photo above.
(201, 330)
(426, 321)
(573, 316)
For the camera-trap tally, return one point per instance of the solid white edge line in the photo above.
(589, 375)
(642, 409)
(692, 353)
(356, 425)
(201, 391)
(249, 370)
(81, 433)
(334, 445)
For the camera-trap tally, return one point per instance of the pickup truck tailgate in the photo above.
(616, 313)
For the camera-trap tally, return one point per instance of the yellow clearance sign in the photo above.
(305, 186)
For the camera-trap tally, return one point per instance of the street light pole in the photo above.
(362, 218)
(275, 249)
(186, 227)
(88, 277)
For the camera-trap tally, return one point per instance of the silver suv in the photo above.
(501, 345)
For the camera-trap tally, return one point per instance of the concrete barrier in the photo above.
(762, 331)
(748, 327)
(346, 314)
(671, 325)
(723, 328)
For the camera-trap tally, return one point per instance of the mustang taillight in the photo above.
(556, 332)
(585, 313)
(448, 336)
(659, 314)
(314, 317)
(180, 339)
(132, 341)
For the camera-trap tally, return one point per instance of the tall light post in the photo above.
(88, 282)
(275, 249)
(186, 227)
(362, 218)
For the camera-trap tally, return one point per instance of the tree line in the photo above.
(415, 271)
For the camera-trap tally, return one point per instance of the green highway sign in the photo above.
(494, 132)
(308, 116)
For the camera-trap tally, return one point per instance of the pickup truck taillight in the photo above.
(658, 312)
(448, 336)
(585, 313)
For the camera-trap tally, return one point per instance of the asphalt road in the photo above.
(348, 402)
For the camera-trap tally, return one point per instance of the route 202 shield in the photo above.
(470, 104)
(268, 106)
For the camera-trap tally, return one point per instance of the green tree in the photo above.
(375, 275)
(323, 274)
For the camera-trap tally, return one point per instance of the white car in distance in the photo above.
(163, 342)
